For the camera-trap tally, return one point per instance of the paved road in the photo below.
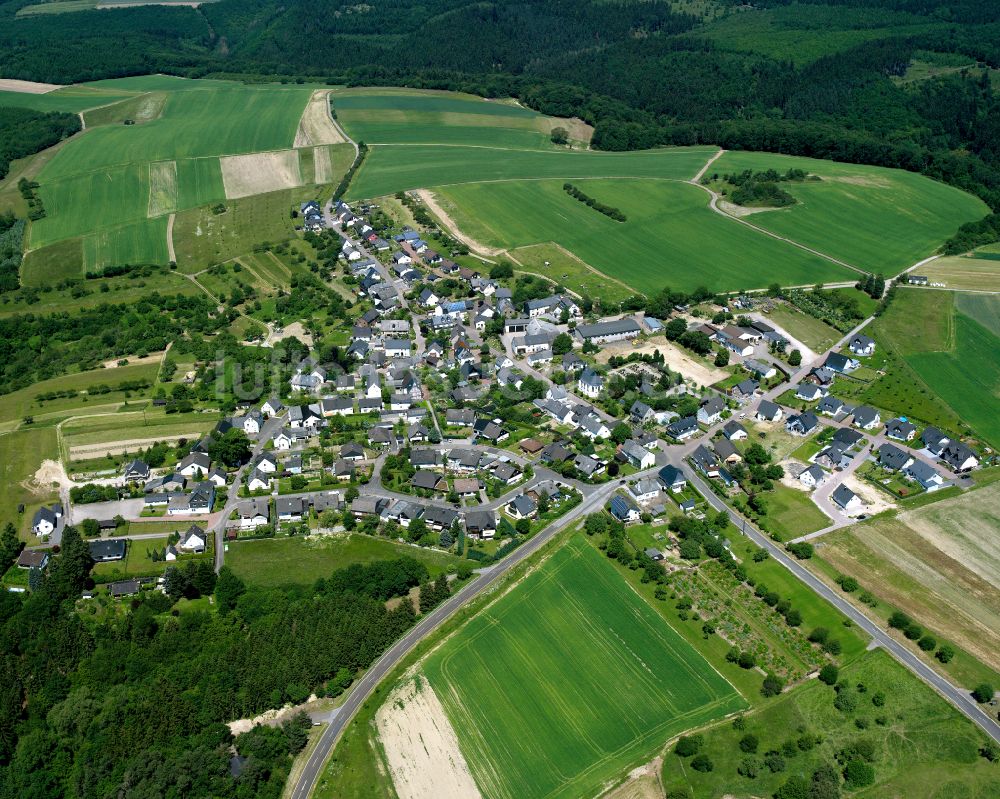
(956, 696)
(427, 624)
(267, 432)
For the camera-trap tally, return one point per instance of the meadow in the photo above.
(671, 237)
(273, 562)
(569, 271)
(938, 563)
(813, 332)
(578, 679)
(21, 453)
(791, 513)
(389, 169)
(979, 271)
(879, 220)
(923, 747)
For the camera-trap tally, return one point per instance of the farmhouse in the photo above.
(606, 332)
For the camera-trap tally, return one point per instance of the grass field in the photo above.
(965, 272)
(791, 513)
(21, 453)
(141, 242)
(924, 748)
(138, 561)
(71, 99)
(400, 116)
(23, 403)
(896, 218)
(139, 109)
(671, 237)
(982, 308)
(93, 437)
(571, 272)
(389, 169)
(568, 680)
(299, 561)
(940, 563)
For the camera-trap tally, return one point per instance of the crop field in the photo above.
(571, 272)
(259, 173)
(978, 272)
(142, 242)
(139, 109)
(982, 308)
(939, 563)
(71, 99)
(284, 561)
(894, 218)
(671, 237)
(568, 680)
(94, 436)
(389, 169)
(414, 117)
(924, 748)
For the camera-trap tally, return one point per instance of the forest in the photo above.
(23, 132)
(136, 702)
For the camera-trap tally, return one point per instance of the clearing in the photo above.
(674, 357)
(939, 563)
(259, 173)
(577, 680)
(316, 126)
(421, 747)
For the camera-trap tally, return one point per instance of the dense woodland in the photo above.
(135, 703)
(23, 132)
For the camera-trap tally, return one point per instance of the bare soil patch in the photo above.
(740, 210)
(642, 783)
(675, 358)
(50, 473)
(27, 86)
(420, 745)
(875, 500)
(322, 165)
(260, 173)
(316, 126)
(295, 329)
(435, 208)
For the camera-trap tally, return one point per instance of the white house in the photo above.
(590, 383)
(282, 441)
(849, 501)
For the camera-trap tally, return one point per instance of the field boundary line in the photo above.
(708, 163)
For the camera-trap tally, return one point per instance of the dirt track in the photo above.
(435, 208)
(316, 125)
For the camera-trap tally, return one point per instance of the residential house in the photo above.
(710, 410)
(837, 362)
(290, 509)
(428, 481)
(734, 431)
(624, 510)
(136, 471)
(672, 479)
(892, 458)
(352, 451)
(705, 461)
(522, 507)
(861, 345)
(927, 476)
(193, 540)
(594, 427)
(847, 438)
(681, 429)
(812, 476)
(588, 466)
(959, 457)
(481, 524)
(645, 490)
(258, 481)
(726, 451)
(849, 501)
(640, 412)
(934, 440)
(867, 418)
(438, 518)
(195, 464)
(768, 411)
(760, 369)
(282, 440)
(900, 429)
(802, 424)
(637, 455)
(830, 406)
(272, 407)
(105, 550)
(46, 520)
(810, 392)
(460, 417)
(33, 559)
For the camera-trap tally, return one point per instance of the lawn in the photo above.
(570, 679)
(923, 747)
(791, 513)
(299, 561)
(914, 562)
(138, 561)
(895, 218)
(389, 169)
(671, 237)
(813, 332)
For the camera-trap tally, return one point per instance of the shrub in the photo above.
(688, 745)
(832, 646)
(749, 743)
(899, 620)
(819, 635)
(774, 762)
(983, 693)
(795, 787)
(913, 631)
(858, 774)
(702, 763)
(848, 584)
(878, 699)
(829, 674)
(750, 767)
(846, 702)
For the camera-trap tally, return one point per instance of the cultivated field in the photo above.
(940, 563)
(564, 267)
(259, 173)
(577, 680)
(895, 218)
(302, 561)
(671, 237)
(139, 109)
(401, 116)
(315, 126)
(389, 169)
(162, 188)
(981, 308)
(976, 273)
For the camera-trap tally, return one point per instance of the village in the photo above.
(468, 419)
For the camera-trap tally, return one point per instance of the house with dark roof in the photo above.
(481, 524)
(605, 332)
(837, 362)
(768, 411)
(892, 458)
(802, 424)
(105, 550)
(734, 431)
(624, 510)
(959, 457)
(812, 476)
(862, 345)
(522, 507)
(900, 429)
(849, 501)
(136, 471)
(428, 481)
(866, 417)
(683, 428)
(672, 479)
(830, 406)
(847, 438)
(705, 461)
(33, 559)
(710, 410)
(924, 474)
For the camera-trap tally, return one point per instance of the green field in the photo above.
(21, 453)
(389, 169)
(978, 271)
(568, 680)
(895, 218)
(923, 747)
(671, 237)
(71, 99)
(791, 513)
(399, 116)
(569, 271)
(138, 561)
(982, 308)
(300, 561)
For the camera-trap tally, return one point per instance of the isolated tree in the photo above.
(722, 357)
(829, 674)
(983, 693)
(559, 135)
(794, 358)
(562, 344)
